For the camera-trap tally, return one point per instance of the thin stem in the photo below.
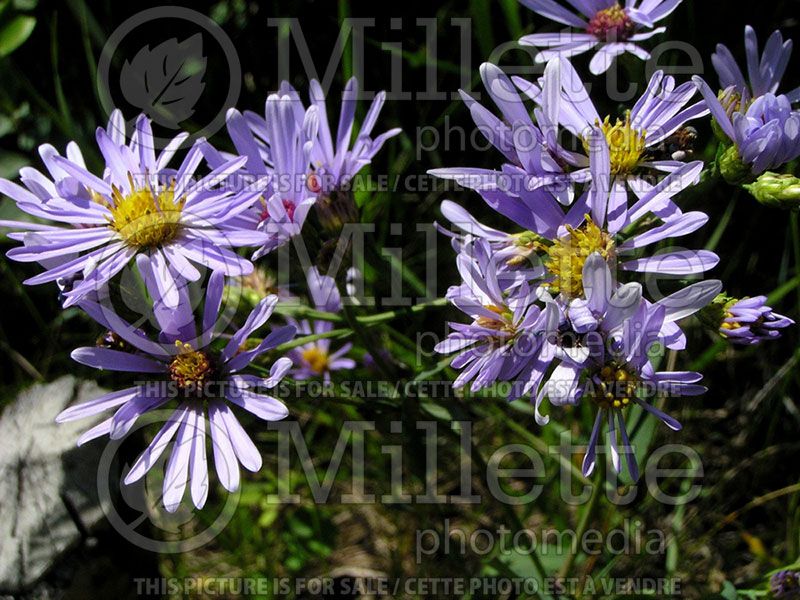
(583, 523)
(307, 339)
(401, 312)
(305, 312)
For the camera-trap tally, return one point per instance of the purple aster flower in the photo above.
(764, 133)
(278, 150)
(316, 359)
(509, 338)
(602, 25)
(785, 585)
(764, 73)
(555, 250)
(575, 235)
(746, 321)
(182, 368)
(522, 143)
(612, 157)
(614, 370)
(630, 146)
(139, 207)
(336, 164)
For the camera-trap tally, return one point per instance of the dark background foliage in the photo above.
(744, 428)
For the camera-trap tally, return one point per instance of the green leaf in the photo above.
(14, 33)
(729, 591)
(268, 515)
(482, 21)
(511, 10)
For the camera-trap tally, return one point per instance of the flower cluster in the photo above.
(759, 129)
(558, 308)
(180, 225)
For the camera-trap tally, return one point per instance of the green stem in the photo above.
(368, 341)
(583, 523)
(305, 312)
(512, 515)
(401, 312)
(306, 339)
(542, 447)
(368, 320)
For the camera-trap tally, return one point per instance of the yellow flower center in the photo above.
(145, 218)
(190, 367)
(317, 359)
(626, 145)
(568, 254)
(615, 387)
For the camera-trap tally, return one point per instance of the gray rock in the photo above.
(48, 485)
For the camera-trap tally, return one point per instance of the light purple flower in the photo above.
(750, 321)
(785, 585)
(606, 26)
(765, 132)
(535, 160)
(510, 251)
(764, 72)
(335, 164)
(609, 364)
(510, 336)
(278, 151)
(180, 367)
(140, 207)
(625, 149)
(315, 359)
(564, 238)
(611, 157)
(338, 164)
(521, 142)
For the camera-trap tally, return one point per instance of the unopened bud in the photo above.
(776, 190)
(733, 170)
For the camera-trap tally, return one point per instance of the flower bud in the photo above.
(776, 190)
(731, 101)
(733, 170)
(745, 321)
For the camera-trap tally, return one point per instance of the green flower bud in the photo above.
(733, 170)
(776, 190)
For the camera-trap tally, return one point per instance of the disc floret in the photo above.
(612, 25)
(568, 254)
(146, 218)
(615, 386)
(190, 368)
(626, 144)
(317, 358)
